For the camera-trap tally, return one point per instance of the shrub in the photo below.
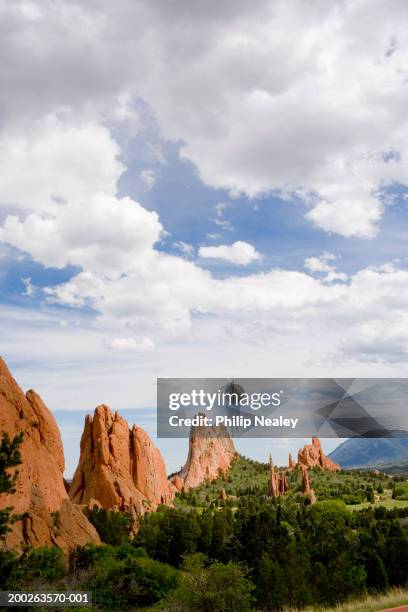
(112, 527)
(44, 563)
(400, 491)
(215, 588)
(122, 576)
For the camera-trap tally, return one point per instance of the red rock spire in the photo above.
(211, 453)
(40, 488)
(119, 468)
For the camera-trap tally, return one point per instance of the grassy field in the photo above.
(392, 599)
(248, 477)
(384, 500)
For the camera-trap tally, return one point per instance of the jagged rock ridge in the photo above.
(40, 494)
(119, 468)
(312, 455)
(211, 453)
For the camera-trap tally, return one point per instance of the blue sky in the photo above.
(195, 194)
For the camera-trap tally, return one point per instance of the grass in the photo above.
(392, 599)
(251, 477)
(385, 500)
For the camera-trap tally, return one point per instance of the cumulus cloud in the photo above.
(240, 253)
(137, 291)
(321, 265)
(29, 289)
(319, 114)
(55, 160)
(130, 344)
(63, 178)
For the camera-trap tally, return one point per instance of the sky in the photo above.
(200, 189)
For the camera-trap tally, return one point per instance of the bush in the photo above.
(123, 576)
(112, 527)
(8, 564)
(215, 588)
(400, 491)
(44, 564)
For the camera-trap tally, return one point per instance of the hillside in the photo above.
(372, 452)
(249, 479)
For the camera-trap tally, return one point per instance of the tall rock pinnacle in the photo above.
(119, 468)
(39, 489)
(278, 482)
(307, 490)
(211, 453)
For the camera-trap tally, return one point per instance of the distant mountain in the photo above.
(360, 452)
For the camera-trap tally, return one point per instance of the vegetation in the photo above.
(400, 491)
(212, 587)
(245, 552)
(357, 488)
(113, 527)
(392, 599)
(9, 457)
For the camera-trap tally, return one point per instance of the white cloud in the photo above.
(148, 177)
(138, 292)
(130, 344)
(320, 113)
(184, 248)
(103, 234)
(241, 253)
(63, 178)
(30, 290)
(219, 219)
(53, 161)
(321, 265)
(349, 218)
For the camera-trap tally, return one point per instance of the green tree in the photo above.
(370, 495)
(272, 590)
(112, 527)
(215, 588)
(44, 564)
(10, 457)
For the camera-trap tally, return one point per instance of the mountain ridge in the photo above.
(370, 452)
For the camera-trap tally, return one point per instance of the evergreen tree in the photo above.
(10, 456)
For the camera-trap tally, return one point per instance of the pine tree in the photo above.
(10, 456)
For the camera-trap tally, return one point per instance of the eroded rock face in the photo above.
(40, 493)
(278, 481)
(312, 455)
(292, 462)
(211, 453)
(307, 490)
(119, 468)
(149, 470)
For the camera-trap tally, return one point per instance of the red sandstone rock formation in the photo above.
(211, 453)
(292, 462)
(307, 490)
(40, 493)
(312, 455)
(278, 482)
(119, 468)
